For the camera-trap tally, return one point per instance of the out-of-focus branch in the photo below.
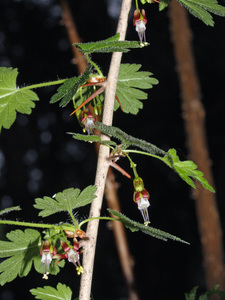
(194, 115)
(111, 185)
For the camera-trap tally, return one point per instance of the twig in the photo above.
(194, 115)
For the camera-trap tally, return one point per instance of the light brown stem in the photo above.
(102, 166)
(194, 117)
(111, 185)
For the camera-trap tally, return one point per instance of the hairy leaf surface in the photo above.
(111, 44)
(185, 169)
(202, 9)
(22, 250)
(12, 98)
(68, 89)
(9, 209)
(67, 200)
(62, 292)
(129, 85)
(136, 226)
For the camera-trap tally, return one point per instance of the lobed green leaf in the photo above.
(67, 200)
(130, 81)
(22, 250)
(62, 292)
(135, 226)
(12, 98)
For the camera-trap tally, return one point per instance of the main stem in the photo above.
(102, 166)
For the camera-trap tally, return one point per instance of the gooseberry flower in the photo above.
(47, 252)
(87, 120)
(140, 21)
(141, 198)
(72, 254)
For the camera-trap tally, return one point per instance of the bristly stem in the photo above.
(43, 84)
(94, 65)
(97, 218)
(37, 225)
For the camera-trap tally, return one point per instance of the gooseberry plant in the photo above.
(48, 246)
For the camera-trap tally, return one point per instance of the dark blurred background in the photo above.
(38, 158)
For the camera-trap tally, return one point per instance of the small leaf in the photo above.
(13, 99)
(86, 138)
(62, 292)
(68, 89)
(9, 209)
(186, 170)
(129, 85)
(192, 294)
(91, 139)
(135, 226)
(67, 200)
(109, 45)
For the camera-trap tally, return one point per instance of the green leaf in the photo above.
(130, 81)
(111, 44)
(22, 250)
(67, 200)
(9, 209)
(192, 295)
(202, 9)
(62, 292)
(91, 139)
(68, 89)
(135, 226)
(12, 98)
(186, 170)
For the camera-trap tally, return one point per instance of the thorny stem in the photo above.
(102, 167)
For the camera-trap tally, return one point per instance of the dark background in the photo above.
(38, 158)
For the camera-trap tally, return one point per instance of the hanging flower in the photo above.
(47, 252)
(87, 120)
(141, 198)
(72, 254)
(140, 21)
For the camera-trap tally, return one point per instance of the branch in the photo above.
(102, 166)
(111, 185)
(194, 115)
